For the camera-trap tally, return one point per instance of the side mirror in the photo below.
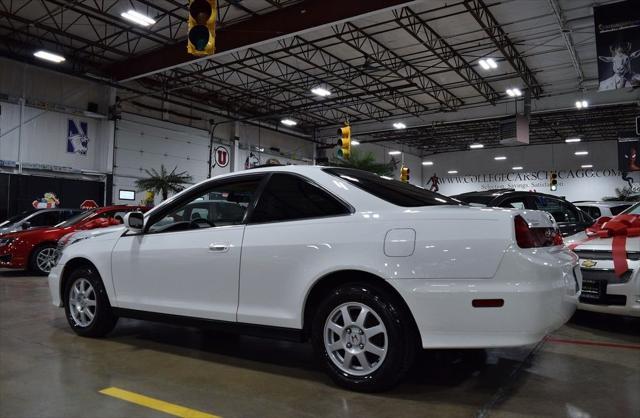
(134, 221)
(26, 225)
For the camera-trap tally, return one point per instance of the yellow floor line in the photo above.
(158, 405)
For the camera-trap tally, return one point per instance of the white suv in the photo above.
(368, 269)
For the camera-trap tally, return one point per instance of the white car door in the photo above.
(291, 234)
(187, 260)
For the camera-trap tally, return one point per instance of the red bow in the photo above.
(619, 228)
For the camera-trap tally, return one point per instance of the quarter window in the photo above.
(287, 197)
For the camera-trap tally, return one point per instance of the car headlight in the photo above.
(6, 241)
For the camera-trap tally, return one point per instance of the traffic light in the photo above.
(404, 174)
(202, 27)
(553, 181)
(344, 142)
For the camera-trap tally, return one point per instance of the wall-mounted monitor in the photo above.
(126, 194)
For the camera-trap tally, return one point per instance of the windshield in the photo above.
(75, 219)
(390, 190)
(633, 210)
(16, 218)
(477, 199)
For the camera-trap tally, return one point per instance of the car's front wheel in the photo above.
(364, 338)
(43, 259)
(87, 305)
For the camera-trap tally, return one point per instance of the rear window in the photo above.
(392, 191)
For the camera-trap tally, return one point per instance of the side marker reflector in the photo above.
(487, 303)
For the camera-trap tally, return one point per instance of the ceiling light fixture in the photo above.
(488, 64)
(581, 153)
(476, 146)
(571, 140)
(354, 142)
(48, 56)
(138, 18)
(395, 152)
(514, 92)
(500, 158)
(587, 166)
(288, 122)
(427, 163)
(399, 125)
(321, 91)
(582, 104)
(452, 172)
(518, 167)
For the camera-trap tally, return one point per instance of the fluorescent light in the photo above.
(484, 64)
(476, 146)
(514, 92)
(500, 158)
(288, 122)
(399, 125)
(354, 142)
(138, 18)
(518, 167)
(321, 91)
(49, 56)
(452, 172)
(488, 64)
(492, 63)
(581, 153)
(395, 152)
(587, 166)
(570, 140)
(427, 163)
(582, 104)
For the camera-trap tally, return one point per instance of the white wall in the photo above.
(477, 170)
(38, 134)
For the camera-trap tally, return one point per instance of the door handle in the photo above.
(219, 248)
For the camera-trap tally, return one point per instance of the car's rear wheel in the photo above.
(86, 304)
(43, 259)
(364, 338)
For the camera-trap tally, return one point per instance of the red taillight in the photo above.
(535, 237)
(524, 236)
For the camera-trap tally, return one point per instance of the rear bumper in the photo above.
(539, 289)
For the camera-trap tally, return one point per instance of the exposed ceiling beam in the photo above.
(431, 40)
(568, 39)
(490, 25)
(281, 23)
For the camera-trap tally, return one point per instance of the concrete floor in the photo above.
(47, 371)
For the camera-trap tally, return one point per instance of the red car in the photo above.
(36, 249)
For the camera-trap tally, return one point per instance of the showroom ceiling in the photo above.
(420, 59)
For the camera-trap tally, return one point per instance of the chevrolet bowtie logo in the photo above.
(589, 264)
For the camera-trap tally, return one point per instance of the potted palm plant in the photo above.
(164, 182)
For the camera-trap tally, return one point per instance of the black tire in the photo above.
(33, 259)
(103, 320)
(402, 343)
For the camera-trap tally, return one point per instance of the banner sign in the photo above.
(77, 137)
(628, 150)
(618, 44)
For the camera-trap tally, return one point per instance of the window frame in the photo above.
(197, 192)
(350, 210)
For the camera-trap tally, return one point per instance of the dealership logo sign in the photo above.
(221, 155)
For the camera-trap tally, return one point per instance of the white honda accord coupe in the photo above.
(369, 269)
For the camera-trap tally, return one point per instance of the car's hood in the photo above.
(98, 232)
(600, 244)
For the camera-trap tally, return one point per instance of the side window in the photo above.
(560, 210)
(44, 219)
(592, 211)
(514, 202)
(221, 205)
(287, 197)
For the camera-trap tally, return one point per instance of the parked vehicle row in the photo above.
(369, 269)
(35, 248)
